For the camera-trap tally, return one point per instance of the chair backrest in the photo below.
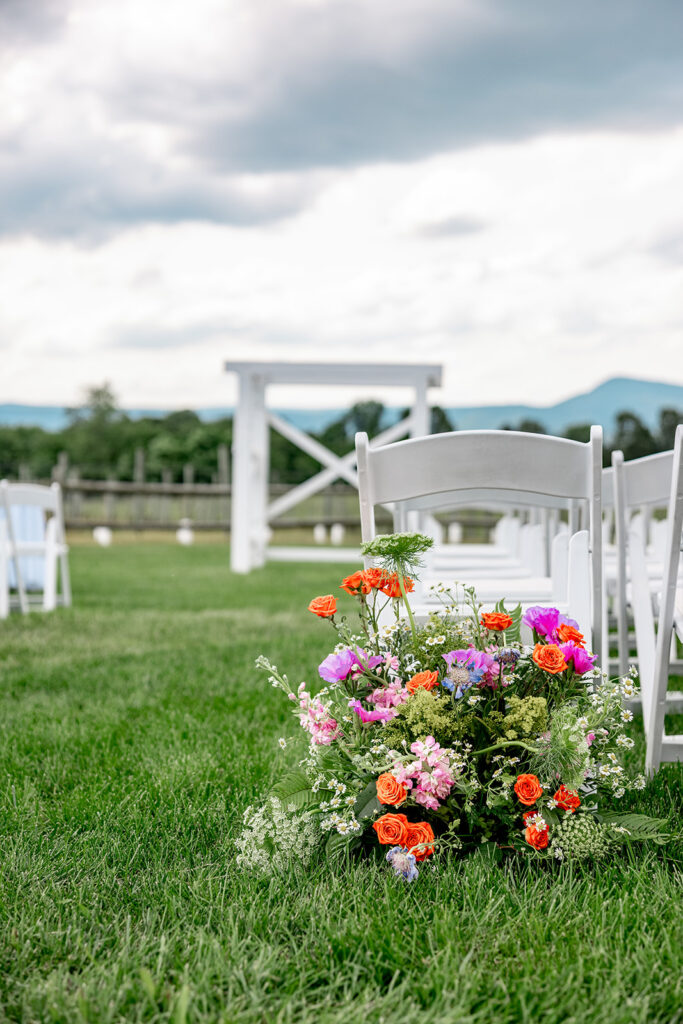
(442, 470)
(631, 481)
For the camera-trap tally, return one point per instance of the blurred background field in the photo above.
(134, 731)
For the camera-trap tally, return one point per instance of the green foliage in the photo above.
(513, 634)
(524, 716)
(294, 789)
(425, 714)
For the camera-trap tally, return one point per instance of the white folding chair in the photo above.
(654, 633)
(4, 570)
(510, 467)
(46, 542)
(639, 487)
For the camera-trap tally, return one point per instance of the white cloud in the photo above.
(561, 287)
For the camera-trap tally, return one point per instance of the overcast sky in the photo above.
(494, 185)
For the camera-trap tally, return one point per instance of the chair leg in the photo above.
(66, 580)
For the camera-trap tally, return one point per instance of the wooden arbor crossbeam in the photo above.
(251, 512)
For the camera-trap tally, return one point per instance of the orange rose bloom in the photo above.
(423, 681)
(496, 622)
(392, 588)
(391, 829)
(420, 832)
(355, 584)
(528, 789)
(568, 634)
(550, 658)
(567, 799)
(374, 577)
(389, 791)
(538, 838)
(323, 607)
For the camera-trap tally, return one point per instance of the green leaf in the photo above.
(640, 827)
(295, 789)
(367, 803)
(513, 634)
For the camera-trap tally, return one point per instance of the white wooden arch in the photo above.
(251, 511)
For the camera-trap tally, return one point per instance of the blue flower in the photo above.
(403, 863)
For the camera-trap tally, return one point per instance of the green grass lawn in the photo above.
(135, 730)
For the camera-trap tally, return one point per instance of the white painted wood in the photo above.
(407, 375)
(250, 511)
(660, 747)
(4, 570)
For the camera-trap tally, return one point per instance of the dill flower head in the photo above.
(398, 552)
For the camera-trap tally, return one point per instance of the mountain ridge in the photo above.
(599, 405)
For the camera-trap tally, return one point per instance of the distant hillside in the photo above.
(600, 405)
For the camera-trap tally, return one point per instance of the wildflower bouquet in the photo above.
(451, 735)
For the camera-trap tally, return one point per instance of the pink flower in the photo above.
(429, 776)
(590, 736)
(389, 696)
(317, 720)
(381, 715)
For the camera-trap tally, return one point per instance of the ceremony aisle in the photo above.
(134, 732)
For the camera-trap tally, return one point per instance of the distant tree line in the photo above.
(101, 440)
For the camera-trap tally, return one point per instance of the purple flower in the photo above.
(546, 621)
(403, 862)
(481, 666)
(583, 660)
(380, 715)
(336, 667)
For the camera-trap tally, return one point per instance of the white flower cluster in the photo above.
(274, 835)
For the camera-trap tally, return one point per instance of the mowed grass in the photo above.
(134, 731)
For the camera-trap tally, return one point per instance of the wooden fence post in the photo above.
(139, 478)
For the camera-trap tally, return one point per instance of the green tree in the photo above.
(668, 421)
(632, 436)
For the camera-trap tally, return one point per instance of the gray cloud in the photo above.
(333, 88)
(528, 68)
(451, 227)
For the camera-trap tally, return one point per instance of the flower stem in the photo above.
(407, 604)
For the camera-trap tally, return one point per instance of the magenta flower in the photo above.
(380, 715)
(583, 660)
(545, 621)
(339, 666)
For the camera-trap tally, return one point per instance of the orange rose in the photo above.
(389, 791)
(423, 681)
(374, 577)
(550, 658)
(392, 588)
(538, 838)
(391, 829)
(567, 799)
(420, 832)
(528, 789)
(496, 622)
(355, 584)
(323, 607)
(568, 634)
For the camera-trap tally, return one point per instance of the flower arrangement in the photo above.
(450, 736)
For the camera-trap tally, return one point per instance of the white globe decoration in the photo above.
(102, 535)
(185, 534)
